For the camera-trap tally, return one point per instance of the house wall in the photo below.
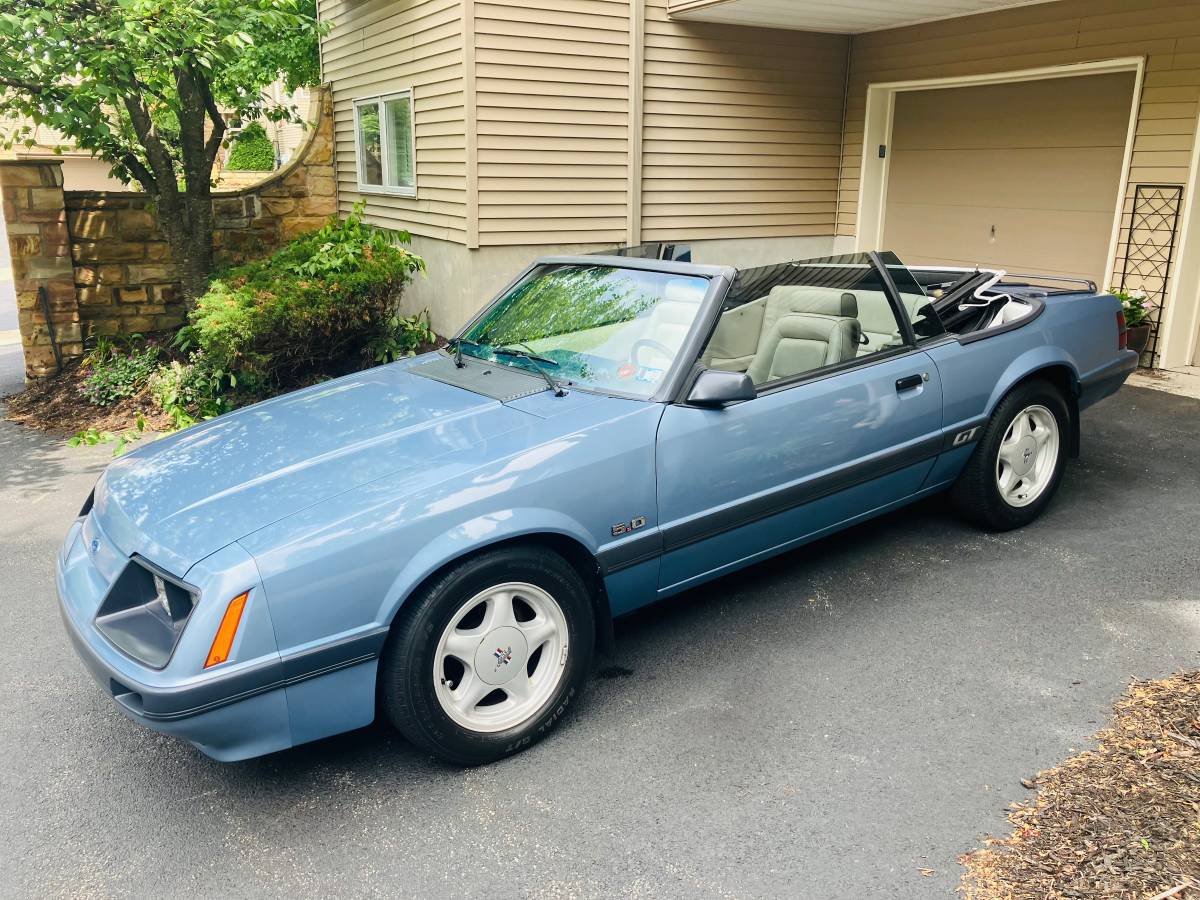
(1165, 32)
(378, 46)
(741, 129)
(553, 120)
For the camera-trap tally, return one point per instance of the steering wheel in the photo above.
(666, 351)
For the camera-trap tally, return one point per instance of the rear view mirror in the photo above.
(716, 388)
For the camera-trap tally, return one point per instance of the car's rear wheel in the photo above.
(486, 659)
(1019, 461)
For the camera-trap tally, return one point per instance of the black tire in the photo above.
(975, 495)
(407, 690)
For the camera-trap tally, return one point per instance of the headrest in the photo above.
(794, 298)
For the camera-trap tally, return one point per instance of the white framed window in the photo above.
(385, 151)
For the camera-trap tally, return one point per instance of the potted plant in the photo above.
(1136, 307)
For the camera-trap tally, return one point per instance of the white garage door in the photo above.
(1023, 176)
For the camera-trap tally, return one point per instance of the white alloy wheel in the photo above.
(501, 657)
(1028, 456)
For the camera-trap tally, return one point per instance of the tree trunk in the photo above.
(187, 222)
(188, 217)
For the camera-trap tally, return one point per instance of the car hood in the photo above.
(181, 498)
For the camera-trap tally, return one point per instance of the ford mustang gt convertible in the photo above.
(446, 540)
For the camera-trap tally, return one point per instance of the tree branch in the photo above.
(140, 172)
(156, 153)
(213, 145)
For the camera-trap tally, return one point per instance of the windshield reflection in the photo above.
(599, 326)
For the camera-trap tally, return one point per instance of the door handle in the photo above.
(910, 382)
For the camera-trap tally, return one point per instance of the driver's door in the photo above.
(813, 450)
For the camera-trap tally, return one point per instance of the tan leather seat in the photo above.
(804, 328)
(802, 342)
(741, 331)
(878, 322)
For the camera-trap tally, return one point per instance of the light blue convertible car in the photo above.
(447, 539)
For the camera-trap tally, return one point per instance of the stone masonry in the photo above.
(41, 260)
(104, 261)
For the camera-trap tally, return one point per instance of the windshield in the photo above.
(597, 326)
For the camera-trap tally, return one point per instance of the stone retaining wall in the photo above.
(36, 221)
(104, 261)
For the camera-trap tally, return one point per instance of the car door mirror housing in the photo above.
(715, 388)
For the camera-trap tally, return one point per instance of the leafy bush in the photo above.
(116, 376)
(323, 305)
(188, 392)
(252, 151)
(1135, 305)
(401, 336)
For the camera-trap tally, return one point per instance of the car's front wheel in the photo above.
(486, 659)
(1019, 461)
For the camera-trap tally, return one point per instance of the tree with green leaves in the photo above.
(150, 86)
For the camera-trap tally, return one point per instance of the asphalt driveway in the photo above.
(824, 725)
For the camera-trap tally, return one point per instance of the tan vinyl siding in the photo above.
(380, 46)
(552, 115)
(1166, 32)
(740, 130)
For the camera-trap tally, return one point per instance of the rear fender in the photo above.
(1051, 361)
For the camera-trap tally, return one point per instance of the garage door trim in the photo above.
(881, 103)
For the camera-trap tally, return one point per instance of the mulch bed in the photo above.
(1122, 820)
(54, 405)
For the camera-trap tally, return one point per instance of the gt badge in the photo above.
(965, 437)
(626, 527)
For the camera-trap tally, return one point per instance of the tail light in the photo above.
(1122, 332)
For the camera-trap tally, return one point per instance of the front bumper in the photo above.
(259, 702)
(229, 715)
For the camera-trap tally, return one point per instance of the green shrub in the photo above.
(116, 376)
(323, 305)
(252, 151)
(401, 336)
(188, 392)
(1135, 305)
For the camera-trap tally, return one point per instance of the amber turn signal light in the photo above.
(223, 642)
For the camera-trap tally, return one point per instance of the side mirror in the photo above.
(716, 388)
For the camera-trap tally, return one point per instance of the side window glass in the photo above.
(791, 319)
(917, 304)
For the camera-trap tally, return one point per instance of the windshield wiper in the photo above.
(530, 356)
(457, 344)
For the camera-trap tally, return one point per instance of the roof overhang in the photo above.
(837, 18)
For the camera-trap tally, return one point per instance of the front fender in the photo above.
(475, 535)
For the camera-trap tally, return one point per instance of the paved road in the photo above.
(824, 725)
(12, 369)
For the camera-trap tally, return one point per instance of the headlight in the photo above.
(144, 612)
